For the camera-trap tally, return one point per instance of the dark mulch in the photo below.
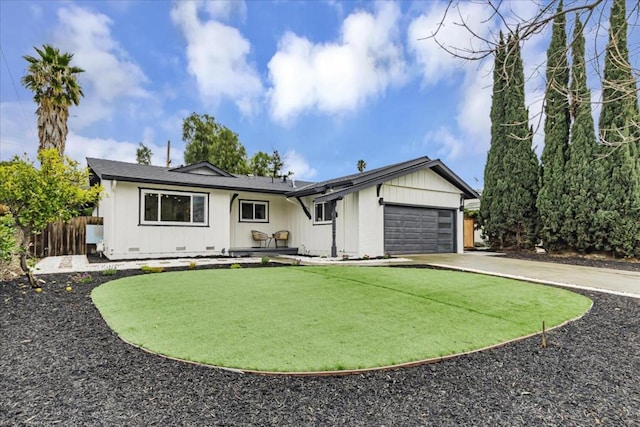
(572, 259)
(60, 363)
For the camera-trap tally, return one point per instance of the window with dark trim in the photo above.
(254, 211)
(322, 213)
(173, 208)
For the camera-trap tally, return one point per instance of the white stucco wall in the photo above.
(309, 237)
(126, 238)
(359, 226)
(278, 219)
(371, 218)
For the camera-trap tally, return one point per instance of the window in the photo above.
(254, 211)
(322, 213)
(173, 208)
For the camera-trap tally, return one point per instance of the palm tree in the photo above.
(362, 165)
(55, 88)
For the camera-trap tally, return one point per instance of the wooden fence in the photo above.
(63, 238)
(469, 228)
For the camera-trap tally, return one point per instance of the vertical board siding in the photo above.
(63, 238)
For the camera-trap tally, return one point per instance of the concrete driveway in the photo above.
(618, 282)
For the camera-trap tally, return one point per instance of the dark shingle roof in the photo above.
(354, 182)
(182, 176)
(133, 172)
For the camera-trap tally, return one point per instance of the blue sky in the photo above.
(324, 82)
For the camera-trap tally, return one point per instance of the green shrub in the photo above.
(110, 271)
(149, 269)
(192, 265)
(265, 260)
(236, 265)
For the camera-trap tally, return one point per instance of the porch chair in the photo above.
(283, 236)
(261, 237)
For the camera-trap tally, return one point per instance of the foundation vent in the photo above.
(210, 248)
(180, 248)
(134, 249)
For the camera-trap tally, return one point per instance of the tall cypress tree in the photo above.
(618, 220)
(508, 212)
(522, 171)
(551, 198)
(581, 199)
(491, 223)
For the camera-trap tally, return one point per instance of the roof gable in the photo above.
(353, 183)
(202, 168)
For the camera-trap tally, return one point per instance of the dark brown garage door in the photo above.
(409, 229)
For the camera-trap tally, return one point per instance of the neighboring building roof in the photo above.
(333, 189)
(342, 186)
(182, 176)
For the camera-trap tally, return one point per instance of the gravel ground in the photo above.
(60, 363)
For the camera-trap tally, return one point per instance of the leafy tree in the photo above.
(206, 140)
(362, 165)
(143, 154)
(53, 82)
(582, 196)
(556, 142)
(259, 164)
(37, 197)
(7, 237)
(618, 219)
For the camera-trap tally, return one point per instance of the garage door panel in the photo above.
(410, 229)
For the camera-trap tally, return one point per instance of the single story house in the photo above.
(201, 210)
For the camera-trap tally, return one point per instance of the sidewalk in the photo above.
(79, 263)
(619, 282)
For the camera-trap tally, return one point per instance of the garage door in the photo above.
(409, 229)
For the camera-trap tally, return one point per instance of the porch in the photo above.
(239, 252)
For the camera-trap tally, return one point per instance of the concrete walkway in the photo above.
(618, 282)
(79, 263)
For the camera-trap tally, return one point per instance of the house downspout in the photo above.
(334, 248)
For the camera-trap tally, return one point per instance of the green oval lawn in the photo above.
(326, 318)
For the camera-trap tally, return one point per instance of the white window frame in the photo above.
(160, 193)
(325, 212)
(254, 203)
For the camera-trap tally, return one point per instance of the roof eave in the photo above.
(196, 185)
(440, 169)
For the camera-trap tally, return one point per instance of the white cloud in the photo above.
(448, 145)
(109, 74)
(472, 116)
(218, 57)
(340, 76)
(470, 136)
(225, 9)
(295, 163)
(80, 147)
(439, 26)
